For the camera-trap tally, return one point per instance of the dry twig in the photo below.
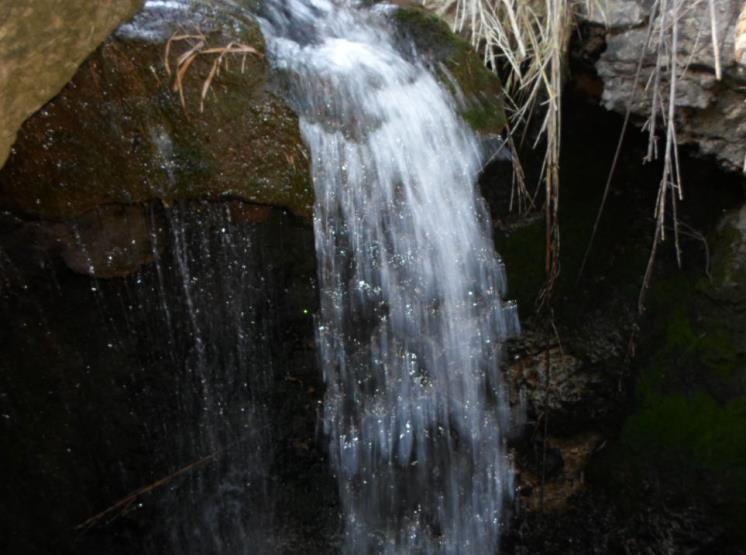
(197, 43)
(126, 502)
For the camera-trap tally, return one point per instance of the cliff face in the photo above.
(42, 43)
(711, 113)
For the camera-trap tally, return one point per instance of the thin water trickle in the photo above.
(411, 320)
(205, 304)
(161, 378)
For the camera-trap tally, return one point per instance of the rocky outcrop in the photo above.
(711, 113)
(42, 43)
(121, 134)
(118, 133)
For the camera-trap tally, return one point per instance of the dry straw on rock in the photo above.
(197, 43)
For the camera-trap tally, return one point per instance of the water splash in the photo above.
(411, 319)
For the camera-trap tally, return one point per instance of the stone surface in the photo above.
(730, 258)
(118, 133)
(711, 114)
(552, 380)
(540, 490)
(42, 43)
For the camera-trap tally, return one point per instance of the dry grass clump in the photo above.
(197, 47)
(528, 40)
(670, 67)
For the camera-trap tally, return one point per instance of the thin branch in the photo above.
(715, 40)
(124, 503)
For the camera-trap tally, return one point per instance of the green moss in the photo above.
(427, 29)
(523, 252)
(680, 332)
(690, 418)
(484, 119)
(696, 425)
(697, 434)
(698, 333)
(454, 60)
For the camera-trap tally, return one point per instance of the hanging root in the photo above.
(197, 46)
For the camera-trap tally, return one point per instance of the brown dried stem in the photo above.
(198, 47)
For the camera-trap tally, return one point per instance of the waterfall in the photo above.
(411, 320)
(212, 295)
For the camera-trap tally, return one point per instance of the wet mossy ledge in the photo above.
(459, 68)
(118, 134)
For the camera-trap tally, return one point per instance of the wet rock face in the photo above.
(730, 259)
(715, 325)
(711, 113)
(42, 43)
(105, 388)
(558, 374)
(118, 133)
(110, 241)
(566, 394)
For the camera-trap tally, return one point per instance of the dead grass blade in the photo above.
(123, 504)
(198, 47)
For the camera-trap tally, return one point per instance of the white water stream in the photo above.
(411, 321)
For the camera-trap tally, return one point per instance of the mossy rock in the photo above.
(454, 60)
(690, 412)
(118, 133)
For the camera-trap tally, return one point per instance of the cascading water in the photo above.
(411, 320)
(169, 368)
(210, 316)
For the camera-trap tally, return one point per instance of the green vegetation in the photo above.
(690, 416)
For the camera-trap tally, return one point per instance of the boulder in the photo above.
(121, 132)
(42, 43)
(711, 113)
(118, 133)
(477, 89)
